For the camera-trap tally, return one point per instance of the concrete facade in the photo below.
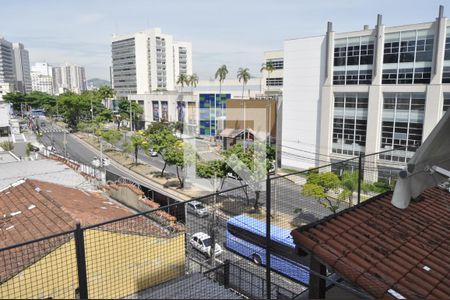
(22, 68)
(364, 91)
(148, 61)
(69, 77)
(42, 78)
(7, 65)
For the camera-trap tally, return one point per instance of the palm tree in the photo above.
(221, 73)
(243, 75)
(182, 80)
(268, 66)
(192, 81)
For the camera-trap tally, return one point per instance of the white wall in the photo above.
(303, 77)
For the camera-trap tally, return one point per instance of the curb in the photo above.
(159, 188)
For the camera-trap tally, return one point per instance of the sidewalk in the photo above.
(146, 173)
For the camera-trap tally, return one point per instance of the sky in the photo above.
(231, 32)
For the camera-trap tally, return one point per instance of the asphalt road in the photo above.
(286, 193)
(286, 197)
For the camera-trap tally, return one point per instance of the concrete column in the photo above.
(433, 108)
(434, 98)
(326, 106)
(439, 47)
(377, 73)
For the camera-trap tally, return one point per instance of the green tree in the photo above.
(104, 92)
(180, 155)
(192, 80)
(7, 145)
(138, 141)
(182, 80)
(269, 68)
(318, 185)
(214, 170)
(221, 74)
(111, 136)
(16, 99)
(161, 138)
(243, 75)
(136, 112)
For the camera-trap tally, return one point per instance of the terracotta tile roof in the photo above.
(32, 209)
(389, 252)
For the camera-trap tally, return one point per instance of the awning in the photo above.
(422, 170)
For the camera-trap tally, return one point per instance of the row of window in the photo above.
(400, 127)
(406, 76)
(354, 55)
(278, 81)
(352, 77)
(277, 64)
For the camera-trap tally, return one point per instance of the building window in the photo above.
(350, 77)
(274, 81)
(354, 51)
(402, 125)
(350, 123)
(446, 75)
(407, 76)
(407, 57)
(446, 102)
(277, 63)
(353, 59)
(447, 45)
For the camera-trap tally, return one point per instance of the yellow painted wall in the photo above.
(117, 265)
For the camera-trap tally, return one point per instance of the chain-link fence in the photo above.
(231, 244)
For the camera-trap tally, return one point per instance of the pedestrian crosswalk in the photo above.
(53, 130)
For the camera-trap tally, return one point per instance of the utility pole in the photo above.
(65, 143)
(213, 226)
(92, 109)
(131, 118)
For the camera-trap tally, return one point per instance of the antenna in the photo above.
(428, 167)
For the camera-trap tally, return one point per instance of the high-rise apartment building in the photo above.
(148, 61)
(42, 78)
(69, 77)
(22, 68)
(7, 66)
(364, 91)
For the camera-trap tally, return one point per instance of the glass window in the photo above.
(402, 125)
(349, 123)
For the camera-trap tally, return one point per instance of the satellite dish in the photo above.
(428, 167)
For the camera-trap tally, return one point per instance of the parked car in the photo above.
(197, 208)
(153, 153)
(203, 242)
(233, 176)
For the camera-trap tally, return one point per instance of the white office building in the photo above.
(22, 68)
(273, 81)
(148, 61)
(7, 66)
(69, 77)
(42, 78)
(364, 91)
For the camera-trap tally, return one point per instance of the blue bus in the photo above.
(246, 236)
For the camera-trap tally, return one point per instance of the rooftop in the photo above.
(44, 170)
(389, 252)
(32, 209)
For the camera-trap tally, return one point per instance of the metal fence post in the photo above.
(81, 263)
(359, 176)
(226, 274)
(268, 204)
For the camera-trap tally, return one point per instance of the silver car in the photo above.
(197, 208)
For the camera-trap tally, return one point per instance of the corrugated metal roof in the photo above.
(389, 252)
